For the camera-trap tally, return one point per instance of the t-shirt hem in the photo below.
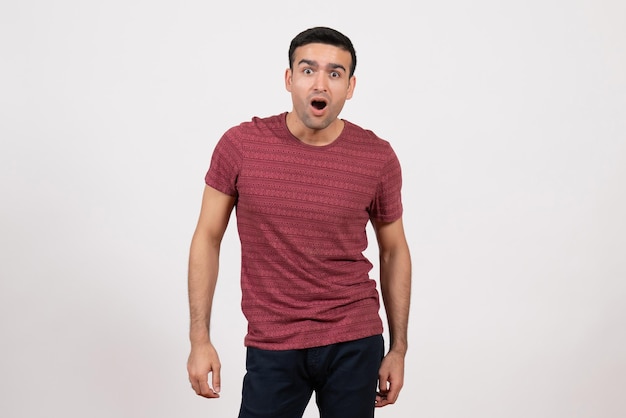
(296, 345)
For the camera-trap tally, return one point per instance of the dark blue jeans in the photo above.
(279, 384)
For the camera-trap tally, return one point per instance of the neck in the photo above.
(312, 136)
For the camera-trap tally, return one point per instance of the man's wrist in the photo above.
(199, 337)
(399, 348)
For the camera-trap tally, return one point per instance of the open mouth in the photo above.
(318, 104)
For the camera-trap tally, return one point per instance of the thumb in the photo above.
(216, 380)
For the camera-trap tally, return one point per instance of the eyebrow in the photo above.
(315, 64)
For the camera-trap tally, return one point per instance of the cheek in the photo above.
(296, 86)
(342, 92)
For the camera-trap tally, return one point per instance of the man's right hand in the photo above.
(203, 360)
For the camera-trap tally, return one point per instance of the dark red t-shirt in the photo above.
(301, 213)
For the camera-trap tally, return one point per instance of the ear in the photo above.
(288, 80)
(351, 87)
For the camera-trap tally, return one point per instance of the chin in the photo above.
(319, 123)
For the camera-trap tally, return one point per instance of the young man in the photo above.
(305, 183)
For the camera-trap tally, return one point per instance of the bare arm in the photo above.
(202, 278)
(395, 282)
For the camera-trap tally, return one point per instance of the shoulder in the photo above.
(257, 129)
(258, 124)
(366, 141)
(355, 131)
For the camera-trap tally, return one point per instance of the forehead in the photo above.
(322, 54)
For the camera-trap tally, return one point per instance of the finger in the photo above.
(381, 395)
(206, 391)
(203, 388)
(383, 384)
(195, 386)
(393, 393)
(381, 400)
(216, 379)
(388, 393)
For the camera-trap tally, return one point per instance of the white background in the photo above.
(509, 119)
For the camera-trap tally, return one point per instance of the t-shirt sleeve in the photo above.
(225, 165)
(387, 203)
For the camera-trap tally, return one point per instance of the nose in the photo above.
(321, 81)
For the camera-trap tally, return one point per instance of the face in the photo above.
(319, 84)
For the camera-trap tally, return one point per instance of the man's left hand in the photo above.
(390, 379)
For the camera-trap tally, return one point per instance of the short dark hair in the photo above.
(323, 35)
